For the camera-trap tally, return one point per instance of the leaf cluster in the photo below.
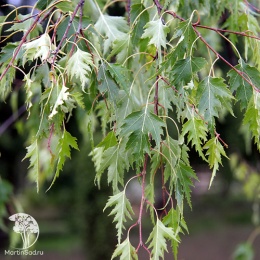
(137, 75)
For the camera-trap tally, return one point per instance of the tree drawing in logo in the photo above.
(27, 227)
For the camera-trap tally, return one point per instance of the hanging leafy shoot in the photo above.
(158, 64)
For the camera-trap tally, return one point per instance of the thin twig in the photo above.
(128, 10)
(23, 40)
(49, 138)
(141, 244)
(81, 2)
(158, 5)
(227, 31)
(12, 119)
(213, 50)
(156, 96)
(223, 59)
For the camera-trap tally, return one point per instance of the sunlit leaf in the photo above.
(158, 38)
(112, 27)
(64, 151)
(126, 251)
(122, 210)
(139, 125)
(79, 66)
(39, 48)
(215, 151)
(33, 155)
(213, 94)
(158, 238)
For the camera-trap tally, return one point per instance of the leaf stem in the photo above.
(156, 103)
(49, 138)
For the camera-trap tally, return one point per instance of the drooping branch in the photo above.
(143, 174)
(64, 37)
(241, 74)
(17, 50)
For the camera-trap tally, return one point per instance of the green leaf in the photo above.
(184, 70)
(120, 74)
(157, 32)
(187, 37)
(39, 48)
(157, 239)
(196, 129)
(78, 97)
(213, 94)
(42, 4)
(66, 6)
(62, 27)
(138, 144)
(65, 144)
(244, 251)
(33, 155)
(214, 151)
(165, 97)
(121, 211)
(25, 26)
(232, 22)
(6, 82)
(7, 52)
(252, 117)
(171, 150)
(29, 93)
(113, 159)
(61, 99)
(79, 66)
(122, 48)
(109, 141)
(176, 221)
(241, 87)
(112, 27)
(138, 12)
(126, 250)
(106, 84)
(150, 196)
(185, 175)
(139, 125)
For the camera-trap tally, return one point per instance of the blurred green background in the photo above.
(223, 224)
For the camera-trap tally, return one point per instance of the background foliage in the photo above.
(156, 82)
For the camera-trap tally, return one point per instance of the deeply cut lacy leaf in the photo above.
(158, 238)
(122, 210)
(184, 70)
(139, 125)
(252, 117)
(157, 32)
(196, 129)
(79, 66)
(213, 94)
(112, 27)
(214, 151)
(64, 151)
(62, 97)
(33, 154)
(39, 48)
(126, 251)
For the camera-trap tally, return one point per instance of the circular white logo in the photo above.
(27, 227)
